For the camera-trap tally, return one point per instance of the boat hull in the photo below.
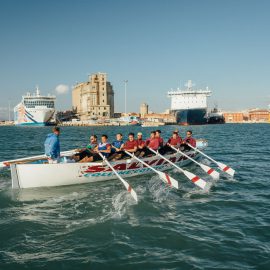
(215, 118)
(191, 117)
(61, 174)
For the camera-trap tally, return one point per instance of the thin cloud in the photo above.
(61, 89)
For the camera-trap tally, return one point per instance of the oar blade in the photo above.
(226, 168)
(195, 179)
(168, 180)
(128, 187)
(222, 166)
(134, 194)
(214, 174)
(125, 183)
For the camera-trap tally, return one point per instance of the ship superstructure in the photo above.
(189, 105)
(34, 109)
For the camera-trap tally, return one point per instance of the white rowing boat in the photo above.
(40, 174)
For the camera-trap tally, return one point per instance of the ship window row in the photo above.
(32, 104)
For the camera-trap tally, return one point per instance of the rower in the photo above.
(88, 151)
(117, 146)
(160, 139)
(52, 146)
(130, 145)
(153, 143)
(103, 147)
(177, 132)
(141, 144)
(188, 140)
(175, 141)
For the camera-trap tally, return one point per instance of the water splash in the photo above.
(159, 190)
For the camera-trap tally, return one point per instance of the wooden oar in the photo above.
(223, 167)
(192, 177)
(163, 176)
(6, 163)
(125, 183)
(214, 174)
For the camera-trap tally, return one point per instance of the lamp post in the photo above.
(125, 81)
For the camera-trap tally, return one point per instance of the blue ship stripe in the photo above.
(32, 119)
(33, 124)
(29, 113)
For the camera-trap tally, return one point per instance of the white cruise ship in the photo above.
(35, 110)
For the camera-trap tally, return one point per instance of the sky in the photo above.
(155, 45)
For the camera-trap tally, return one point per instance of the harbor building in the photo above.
(250, 116)
(94, 99)
(259, 115)
(234, 117)
(143, 109)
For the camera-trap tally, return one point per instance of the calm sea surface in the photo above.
(98, 225)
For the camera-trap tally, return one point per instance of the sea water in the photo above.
(99, 226)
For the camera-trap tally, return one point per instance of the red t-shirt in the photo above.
(191, 141)
(130, 145)
(141, 143)
(153, 143)
(175, 142)
(161, 141)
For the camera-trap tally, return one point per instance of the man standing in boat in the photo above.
(52, 146)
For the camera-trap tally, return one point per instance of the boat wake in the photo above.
(195, 192)
(121, 203)
(158, 189)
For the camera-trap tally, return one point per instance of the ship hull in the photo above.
(216, 120)
(191, 117)
(32, 117)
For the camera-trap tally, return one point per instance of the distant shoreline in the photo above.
(5, 124)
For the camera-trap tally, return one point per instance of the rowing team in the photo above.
(116, 150)
(140, 147)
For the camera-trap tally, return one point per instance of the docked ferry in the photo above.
(35, 109)
(189, 105)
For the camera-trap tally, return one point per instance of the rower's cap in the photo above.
(176, 131)
(139, 133)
